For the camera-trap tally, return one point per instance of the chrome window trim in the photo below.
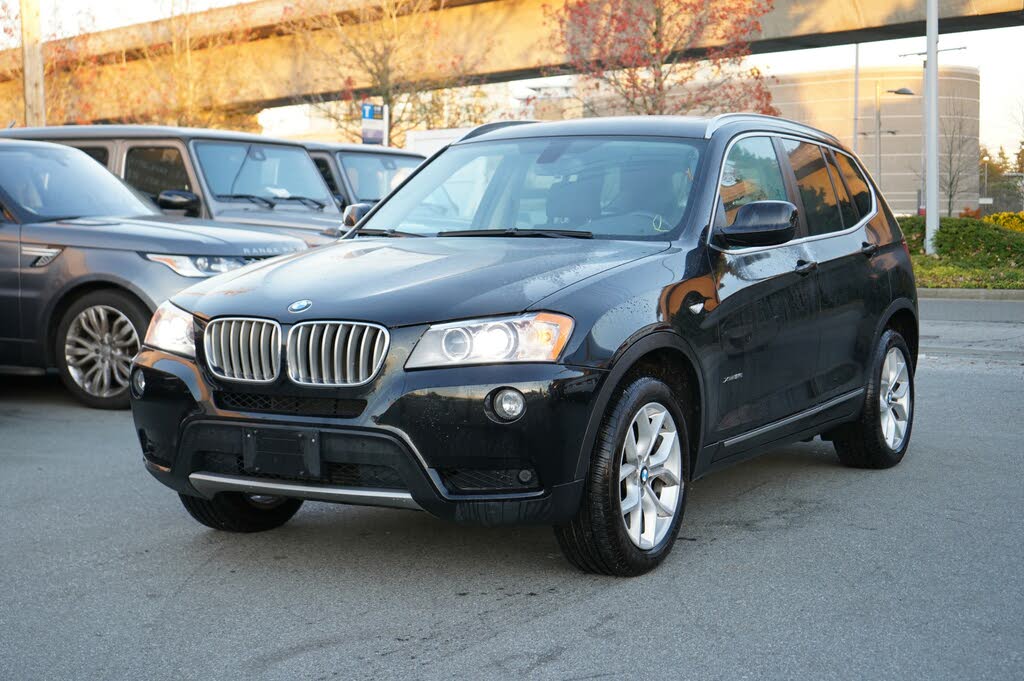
(755, 249)
(373, 374)
(721, 120)
(206, 349)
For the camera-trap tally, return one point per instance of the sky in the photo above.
(1002, 83)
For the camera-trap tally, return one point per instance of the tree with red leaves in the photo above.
(663, 56)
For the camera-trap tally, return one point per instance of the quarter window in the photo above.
(821, 208)
(846, 208)
(751, 173)
(153, 169)
(325, 171)
(856, 182)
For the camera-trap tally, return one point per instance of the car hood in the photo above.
(309, 226)
(180, 236)
(405, 281)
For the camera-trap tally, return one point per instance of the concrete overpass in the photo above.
(502, 39)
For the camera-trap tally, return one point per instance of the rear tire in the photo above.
(237, 512)
(646, 474)
(881, 437)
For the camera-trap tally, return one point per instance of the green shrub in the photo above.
(979, 244)
(1011, 221)
(913, 230)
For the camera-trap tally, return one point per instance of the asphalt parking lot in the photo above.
(789, 566)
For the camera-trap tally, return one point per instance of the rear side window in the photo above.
(751, 173)
(153, 169)
(821, 208)
(100, 154)
(856, 182)
(846, 208)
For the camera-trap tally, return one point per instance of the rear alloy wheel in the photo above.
(881, 436)
(635, 490)
(96, 340)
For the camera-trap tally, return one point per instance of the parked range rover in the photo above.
(358, 173)
(84, 261)
(212, 174)
(608, 310)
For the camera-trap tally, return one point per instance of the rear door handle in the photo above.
(804, 267)
(868, 249)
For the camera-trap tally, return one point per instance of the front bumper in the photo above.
(417, 439)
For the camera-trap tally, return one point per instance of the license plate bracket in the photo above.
(289, 453)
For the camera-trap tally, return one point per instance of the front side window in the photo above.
(751, 173)
(44, 184)
(821, 209)
(630, 188)
(271, 171)
(373, 176)
(154, 169)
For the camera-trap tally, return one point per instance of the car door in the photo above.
(836, 242)
(10, 289)
(766, 307)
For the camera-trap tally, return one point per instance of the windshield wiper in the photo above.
(255, 198)
(383, 232)
(305, 201)
(515, 231)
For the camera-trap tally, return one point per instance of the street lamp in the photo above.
(878, 126)
(985, 160)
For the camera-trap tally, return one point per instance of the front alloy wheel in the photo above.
(635, 490)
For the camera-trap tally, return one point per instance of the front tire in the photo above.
(635, 491)
(881, 437)
(96, 339)
(237, 512)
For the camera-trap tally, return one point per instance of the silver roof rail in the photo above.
(488, 127)
(722, 119)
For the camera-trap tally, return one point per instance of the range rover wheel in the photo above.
(237, 512)
(882, 435)
(635, 489)
(95, 342)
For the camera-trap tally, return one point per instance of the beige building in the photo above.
(826, 100)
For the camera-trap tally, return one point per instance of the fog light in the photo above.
(138, 383)
(509, 404)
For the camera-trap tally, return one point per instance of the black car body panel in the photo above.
(769, 344)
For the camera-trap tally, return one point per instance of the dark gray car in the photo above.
(362, 173)
(218, 175)
(79, 281)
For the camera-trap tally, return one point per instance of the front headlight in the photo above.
(536, 337)
(197, 265)
(172, 330)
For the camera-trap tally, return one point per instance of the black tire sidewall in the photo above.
(620, 417)
(890, 339)
(126, 304)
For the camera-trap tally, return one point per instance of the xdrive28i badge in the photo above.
(300, 306)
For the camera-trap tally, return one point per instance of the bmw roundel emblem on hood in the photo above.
(300, 306)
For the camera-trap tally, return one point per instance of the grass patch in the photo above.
(971, 254)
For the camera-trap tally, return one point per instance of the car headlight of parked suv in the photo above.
(537, 337)
(172, 330)
(198, 265)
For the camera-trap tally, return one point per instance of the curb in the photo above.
(971, 293)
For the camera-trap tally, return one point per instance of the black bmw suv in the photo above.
(561, 323)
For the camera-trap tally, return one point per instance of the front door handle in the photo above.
(803, 267)
(868, 249)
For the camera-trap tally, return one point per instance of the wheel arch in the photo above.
(74, 292)
(655, 353)
(902, 316)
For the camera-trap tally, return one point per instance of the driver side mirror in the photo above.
(354, 213)
(762, 223)
(178, 199)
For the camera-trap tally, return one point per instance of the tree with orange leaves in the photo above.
(663, 56)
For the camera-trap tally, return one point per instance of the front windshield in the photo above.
(270, 171)
(373, 176)
(612, 187)
(52, 183)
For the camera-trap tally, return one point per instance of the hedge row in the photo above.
(970, 242)
(1012, 221)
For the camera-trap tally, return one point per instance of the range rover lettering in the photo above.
(562, 323)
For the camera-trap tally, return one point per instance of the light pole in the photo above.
(931, 109)
(985, 160)
(878, 126)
